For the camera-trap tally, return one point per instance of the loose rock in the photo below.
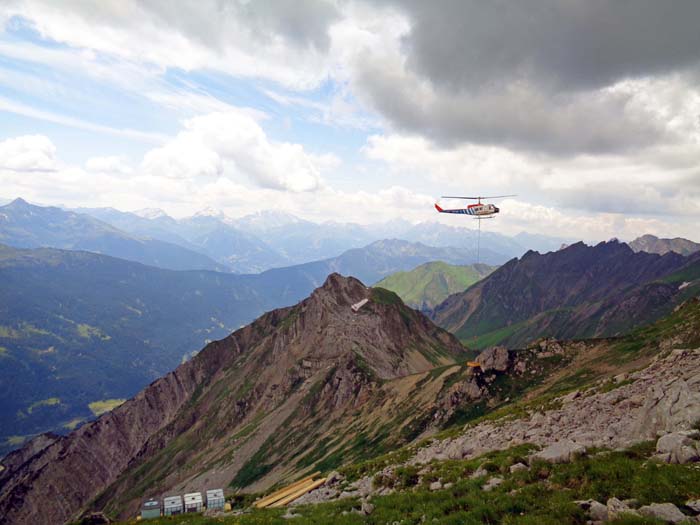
(596, 510)
(492, 483)
(518, 467)
(678, 447)
(616, 508)
(560, 452)
(478, 473)
(694, 505)
(667, 512)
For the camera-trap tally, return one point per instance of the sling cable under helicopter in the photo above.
(478, 211)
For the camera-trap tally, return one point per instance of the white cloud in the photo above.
(185, 157)
(234, 144)
(284, 41)
(28, 153)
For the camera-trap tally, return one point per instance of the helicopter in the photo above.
(478, 211)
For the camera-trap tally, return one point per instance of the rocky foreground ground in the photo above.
(659, 403)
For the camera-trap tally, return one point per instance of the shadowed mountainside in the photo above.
(581, 291)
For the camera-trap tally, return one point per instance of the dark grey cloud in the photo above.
(520, 116)
(532, 74)
(569, 44)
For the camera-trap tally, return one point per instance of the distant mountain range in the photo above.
(431, 283)
(24, 225)
(652, 244)
(580, 291)
(270, 239)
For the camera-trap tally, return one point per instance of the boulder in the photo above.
(666, 512)
(367, 508)
(595, 510)
(334, 477)
(494, 358)
(694, 505)
(436, 485)
(479, 472)
(560, 452)
(617, 508)
(518, 467)
(492, 483)
(678, 447)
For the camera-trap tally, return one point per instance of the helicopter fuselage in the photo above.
(476, 210)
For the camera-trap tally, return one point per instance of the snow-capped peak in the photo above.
(210, 211)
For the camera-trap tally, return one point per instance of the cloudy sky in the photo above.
(359, 111)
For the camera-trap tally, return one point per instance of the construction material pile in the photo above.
(291, 492)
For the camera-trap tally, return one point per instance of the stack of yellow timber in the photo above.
(290, 492)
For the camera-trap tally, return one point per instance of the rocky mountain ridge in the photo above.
(580, 291)
(250, 407)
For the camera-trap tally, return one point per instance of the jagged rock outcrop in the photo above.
(494, 358)
(241, 409)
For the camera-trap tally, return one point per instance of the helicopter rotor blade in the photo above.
(498, 196)
(454, 197)
(476, 198)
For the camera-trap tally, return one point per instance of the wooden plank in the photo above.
(283, 491)
(298, 493)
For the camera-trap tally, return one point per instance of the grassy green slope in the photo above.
(431, 283)
(543, 495)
